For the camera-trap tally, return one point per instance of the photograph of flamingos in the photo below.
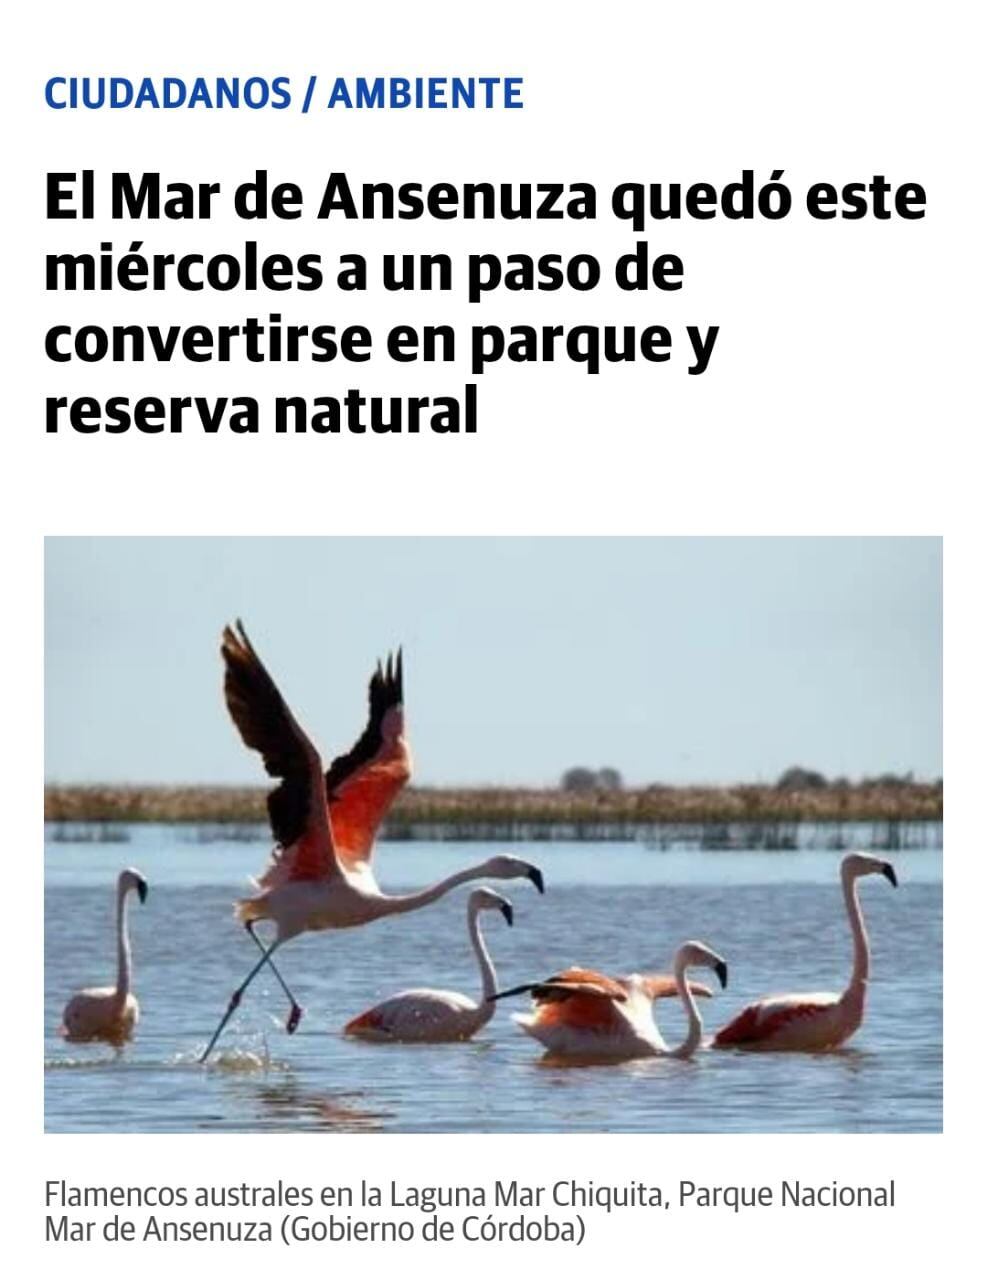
(615, 834)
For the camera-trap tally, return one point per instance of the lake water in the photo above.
(777, 918)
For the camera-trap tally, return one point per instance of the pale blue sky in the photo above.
(673, 660)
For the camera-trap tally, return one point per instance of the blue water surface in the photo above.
(776, 916)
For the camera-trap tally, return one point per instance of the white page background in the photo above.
(840, 398)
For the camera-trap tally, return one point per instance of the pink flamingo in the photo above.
(325, 824)
(586, 1015)
(820, 1020)
(109, 1013)
(433, 1017)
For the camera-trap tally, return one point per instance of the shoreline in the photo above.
(901, 815)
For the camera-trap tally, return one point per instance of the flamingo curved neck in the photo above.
(399, 903)
(861, 949)
(694, 1032)
(488, 974)
(123, 945)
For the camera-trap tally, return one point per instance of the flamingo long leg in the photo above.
(236, 997)
(296, 1010)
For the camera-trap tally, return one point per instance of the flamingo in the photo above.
(109, 1013)
(422, 1014)
(584, 1014)
(820, 1020)
(324, 824)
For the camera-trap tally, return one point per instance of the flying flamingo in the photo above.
(584, 1014)
(319, 875)
(436, 1016)
(820, 1020)
(109, 1013)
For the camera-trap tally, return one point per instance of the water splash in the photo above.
(241, 1059)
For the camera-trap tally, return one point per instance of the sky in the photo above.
(673, 660)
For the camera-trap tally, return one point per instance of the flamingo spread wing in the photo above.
(267, 725)
(362, 784)
(577, 982)
(589, 982)
(574, 1000)
(590, 1001)
(582, 1010)
(656, 986)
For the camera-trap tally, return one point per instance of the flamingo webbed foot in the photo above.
(294, 1018)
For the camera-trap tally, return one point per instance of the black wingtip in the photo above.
(388, 680)
(512, 991)
(235, 643)
(244, 638)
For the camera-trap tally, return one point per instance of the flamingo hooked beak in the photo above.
(507, 911)
(720, 969)
(536, 878)
(887, 870)
(142, 889)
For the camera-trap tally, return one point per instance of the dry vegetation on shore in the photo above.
(466, 811)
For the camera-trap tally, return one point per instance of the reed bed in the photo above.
(456, 813)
